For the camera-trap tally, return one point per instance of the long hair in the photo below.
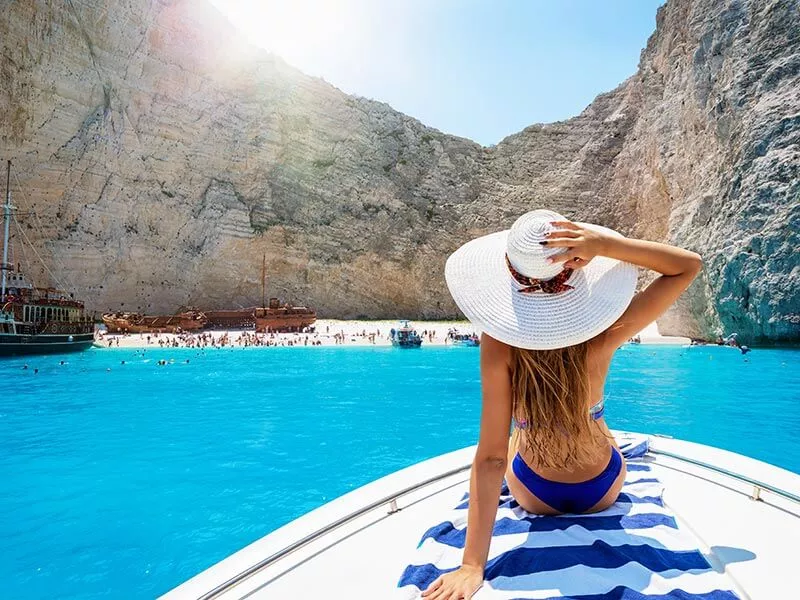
(551, 394)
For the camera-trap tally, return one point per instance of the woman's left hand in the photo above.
(582, 244)
(460, 584)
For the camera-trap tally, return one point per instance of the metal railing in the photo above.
(758, 486)
(390, 500)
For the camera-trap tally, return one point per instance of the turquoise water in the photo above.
(124, 483)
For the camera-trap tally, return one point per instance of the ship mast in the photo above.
(6, 219)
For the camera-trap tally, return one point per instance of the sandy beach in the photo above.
(327, 332)
(651, 335)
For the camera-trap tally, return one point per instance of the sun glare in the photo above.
(300, 31)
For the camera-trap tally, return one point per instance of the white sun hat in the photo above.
(487, 279)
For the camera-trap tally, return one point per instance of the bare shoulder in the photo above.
(601, 351)
(494, 351)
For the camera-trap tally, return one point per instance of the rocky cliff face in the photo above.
(163, 158)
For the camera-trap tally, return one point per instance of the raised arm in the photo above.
(678, 268)
(488, 469)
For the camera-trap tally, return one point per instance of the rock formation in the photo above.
(163, 157)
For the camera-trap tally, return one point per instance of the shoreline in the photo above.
(328, 332)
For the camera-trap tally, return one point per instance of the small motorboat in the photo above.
(469, 340)
(405, 336)
(742, 514)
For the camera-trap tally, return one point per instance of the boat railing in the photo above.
(758, 486)
(390, 501)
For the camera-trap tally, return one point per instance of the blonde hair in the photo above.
(551, 394)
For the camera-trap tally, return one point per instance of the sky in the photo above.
(480, 69)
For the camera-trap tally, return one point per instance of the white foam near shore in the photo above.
(329, 332)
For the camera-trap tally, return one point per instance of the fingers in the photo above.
(432, 588)
(563, 257)
(459, 586)
(564, 233)
(560, 242)
(565, 225)
(576, 263)
(430, 594)
(441, 593)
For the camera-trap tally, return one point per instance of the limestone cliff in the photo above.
(163, 157)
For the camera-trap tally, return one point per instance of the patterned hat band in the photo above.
(554, 285)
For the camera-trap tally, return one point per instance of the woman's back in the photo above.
(560, 464)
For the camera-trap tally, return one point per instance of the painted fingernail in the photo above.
(543, 243)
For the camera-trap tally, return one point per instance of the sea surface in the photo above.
(123, 480)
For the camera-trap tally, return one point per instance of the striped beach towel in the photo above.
(633, 550)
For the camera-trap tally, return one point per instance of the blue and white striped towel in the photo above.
(631, 551)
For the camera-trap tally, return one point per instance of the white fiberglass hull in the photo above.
(363, 552)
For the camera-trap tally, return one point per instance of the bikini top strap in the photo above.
(596, 412)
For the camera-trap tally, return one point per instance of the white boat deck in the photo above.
(753, 542)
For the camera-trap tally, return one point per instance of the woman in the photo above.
(555, 299)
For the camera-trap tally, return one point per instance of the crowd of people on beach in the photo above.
(203, 340)
(310, 336)
(340, 338)
(244, 339)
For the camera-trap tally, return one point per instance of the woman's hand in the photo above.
(582, 244)
(460, 584)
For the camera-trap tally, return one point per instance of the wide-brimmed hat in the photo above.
(505, 286)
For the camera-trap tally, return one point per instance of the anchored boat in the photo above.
(191, 320)
(742, 514)
(242, 318)
(36, 320)
(463, 339)
(273, 317)
(286, 317)
(277, 317)
(405, 336)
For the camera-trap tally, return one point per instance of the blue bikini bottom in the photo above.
(569, 497)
